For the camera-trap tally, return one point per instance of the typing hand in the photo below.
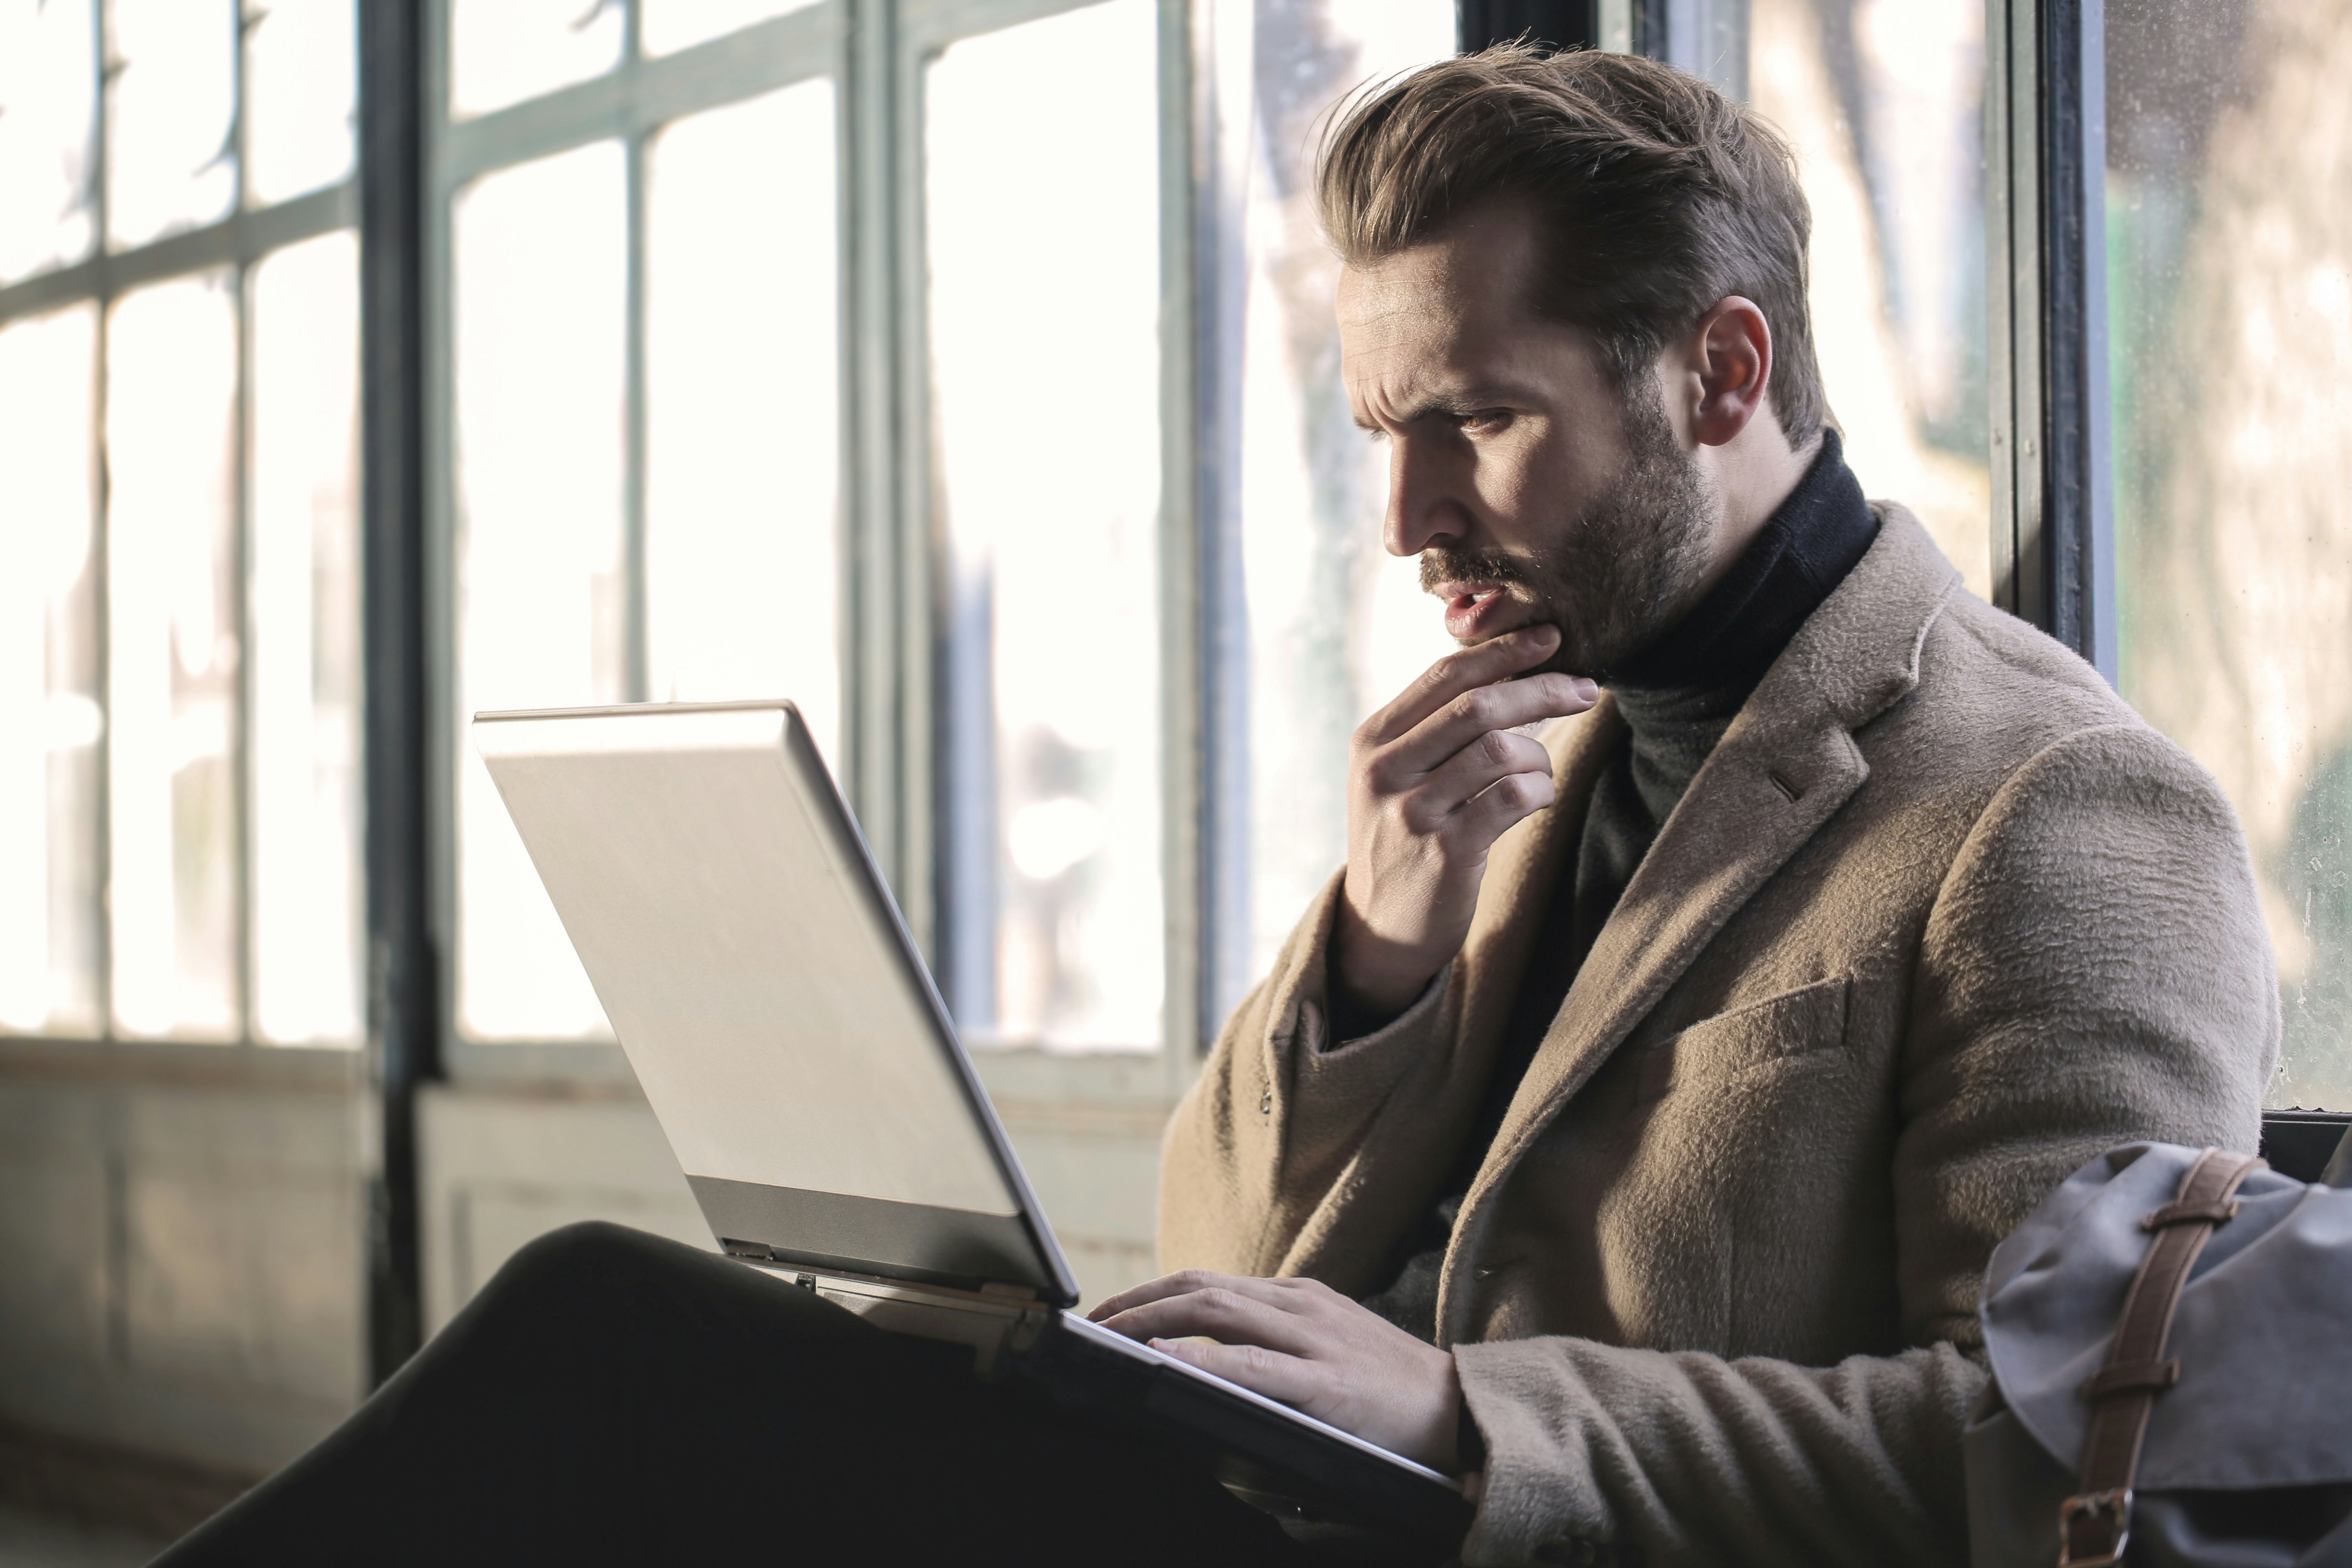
(1302, 1342)
(1433, 779)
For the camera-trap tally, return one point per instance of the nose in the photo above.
(1422, 510)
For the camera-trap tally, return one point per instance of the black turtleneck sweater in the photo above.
(1677, 698)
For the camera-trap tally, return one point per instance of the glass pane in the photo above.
(48, 86)
(742, 380)
(303, 611)
(2230, 301)
(539, 280)
(300, 60)
(1044, 305)
(49, 715)
(1883, 102)
(1337, 626)
(170, 102)
(674, 24)
(503, 51)
(172, 658)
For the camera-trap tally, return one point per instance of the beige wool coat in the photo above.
(1940, 919)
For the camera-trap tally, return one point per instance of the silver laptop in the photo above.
(797, 1054)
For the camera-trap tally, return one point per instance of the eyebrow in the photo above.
(1468, 400)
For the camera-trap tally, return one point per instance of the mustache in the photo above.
(1440, 565)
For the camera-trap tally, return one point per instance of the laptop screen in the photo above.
(761, 985)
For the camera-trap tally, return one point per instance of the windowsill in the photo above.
(299, 1068)
(1026, 1082)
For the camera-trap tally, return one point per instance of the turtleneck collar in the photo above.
(1731, 636)
(1679, 696)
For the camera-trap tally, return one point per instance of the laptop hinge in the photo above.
(1003, 1291)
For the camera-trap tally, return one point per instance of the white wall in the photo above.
(181, 1265)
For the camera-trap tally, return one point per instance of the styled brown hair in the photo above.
(1657, 197)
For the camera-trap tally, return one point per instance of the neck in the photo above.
(1754, 474)
(1724, 642)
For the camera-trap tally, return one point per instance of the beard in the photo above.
(1619, 571)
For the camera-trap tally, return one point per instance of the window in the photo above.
(1043, 261)
(1335, 627)
(640, 243)
(1883, 104)
(179, 755)
(2228, 233)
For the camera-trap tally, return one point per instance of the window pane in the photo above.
(503, 51)
(674, 24)
(539, 276)
(172, 658)
(2229, 289)
(1884, 103)
(1044, 303)
(169, 165)
(742, 378)
(49, 83)
(299, 59)
(1337, 626)
(302, 575)
(49, 716)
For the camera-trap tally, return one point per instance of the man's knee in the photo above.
(585, 1260)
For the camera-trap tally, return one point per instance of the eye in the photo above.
(1483, 421)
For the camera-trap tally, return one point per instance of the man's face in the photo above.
(1532, 489)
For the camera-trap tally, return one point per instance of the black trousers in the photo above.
(611, 1397)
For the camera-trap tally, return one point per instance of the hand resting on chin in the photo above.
(1302, 1342)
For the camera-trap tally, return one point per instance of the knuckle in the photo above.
(1477, 707)
(1496, 745)
(1514, 793)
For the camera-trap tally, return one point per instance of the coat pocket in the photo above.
(1794, 1024)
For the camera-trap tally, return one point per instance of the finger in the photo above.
(1505, 803)
(1494, 755)
(1255, 1368)
(1464, 670)
(1218, 1314)
(1505, 705)
(1184, 1282)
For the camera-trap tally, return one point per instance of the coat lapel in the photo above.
(1786, 765)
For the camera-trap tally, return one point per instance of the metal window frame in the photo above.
(631, 103)
(893, 601)
(235, 243)
(2045, 276)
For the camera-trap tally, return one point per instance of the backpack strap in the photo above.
(2095, 1524)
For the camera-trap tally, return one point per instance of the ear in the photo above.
(1734, 352)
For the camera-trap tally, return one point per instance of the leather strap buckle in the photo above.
(2093, 1528)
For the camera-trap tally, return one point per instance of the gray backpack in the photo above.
(2171, 1342)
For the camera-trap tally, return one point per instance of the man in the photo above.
(1659, 1087)
(1663, 1088)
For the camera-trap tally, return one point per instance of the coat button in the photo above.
(1265, 1103)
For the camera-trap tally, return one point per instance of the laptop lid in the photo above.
(777, 1013)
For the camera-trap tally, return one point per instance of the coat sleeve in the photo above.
(1278, 1115)
(2094, 970)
